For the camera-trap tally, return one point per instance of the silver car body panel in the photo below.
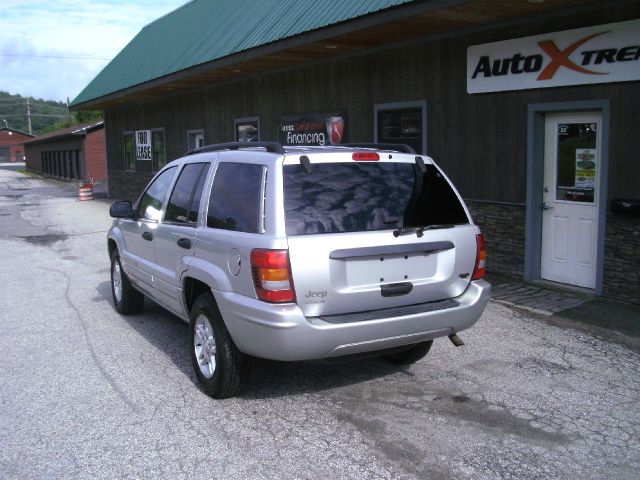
(333, 274)
(283, 332)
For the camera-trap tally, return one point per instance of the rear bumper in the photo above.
(282, 332)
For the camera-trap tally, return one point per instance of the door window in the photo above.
(150, 204)
(577, 162)
(185, 200)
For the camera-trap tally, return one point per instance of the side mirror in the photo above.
(121, 210)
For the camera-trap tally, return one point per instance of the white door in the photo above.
(572, 160)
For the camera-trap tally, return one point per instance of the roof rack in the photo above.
(398, 147)
(273, 147)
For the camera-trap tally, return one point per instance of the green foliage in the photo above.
(46, 115)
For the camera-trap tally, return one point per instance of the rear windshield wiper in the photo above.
(419, 231)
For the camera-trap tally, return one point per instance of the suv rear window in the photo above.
(353, 197)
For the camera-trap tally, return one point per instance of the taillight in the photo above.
(481, 258)
(272, 275)
(365, 156)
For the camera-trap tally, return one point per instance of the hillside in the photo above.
(45, 114)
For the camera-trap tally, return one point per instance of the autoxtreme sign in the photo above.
(600, 54)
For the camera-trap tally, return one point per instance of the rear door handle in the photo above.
(396, 289)
(147, 236)
(184, 243)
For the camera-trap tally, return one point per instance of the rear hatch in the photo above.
(372, 231)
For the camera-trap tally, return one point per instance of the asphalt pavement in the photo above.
(88, 393)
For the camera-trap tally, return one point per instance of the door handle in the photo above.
(184, 243)
(396, 289)
(147, 236)
(546, 206)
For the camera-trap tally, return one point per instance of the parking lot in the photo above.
(87, 393)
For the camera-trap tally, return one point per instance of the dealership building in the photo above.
(532, 107)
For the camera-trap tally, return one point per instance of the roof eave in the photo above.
(322, 34)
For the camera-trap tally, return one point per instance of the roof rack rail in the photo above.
(273, 147)
(398, 147)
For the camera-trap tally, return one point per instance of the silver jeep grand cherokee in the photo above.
(296, 253)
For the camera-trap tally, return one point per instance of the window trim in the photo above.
(241, 120)
(422, 104)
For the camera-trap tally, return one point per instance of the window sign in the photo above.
(599, 54)
(313, 129)
(143, 145)
(586, 168)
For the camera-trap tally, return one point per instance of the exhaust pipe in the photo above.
(456, 340)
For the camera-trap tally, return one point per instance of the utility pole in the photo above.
(29, 117)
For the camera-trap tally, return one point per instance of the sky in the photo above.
(51, 49)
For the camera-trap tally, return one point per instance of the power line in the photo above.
(34, 115)
(40, 105)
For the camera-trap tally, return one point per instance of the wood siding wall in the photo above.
(480, 140)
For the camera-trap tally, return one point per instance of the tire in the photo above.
(217, 362)
(126, 299)
(410, 355)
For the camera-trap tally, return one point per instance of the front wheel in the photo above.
(217, 362)
(126, 299)
(410, 355)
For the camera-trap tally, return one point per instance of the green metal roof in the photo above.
(205, 30)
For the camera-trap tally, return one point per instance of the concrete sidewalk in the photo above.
(618, 321)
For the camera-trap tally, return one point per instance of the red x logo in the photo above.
(561, 58)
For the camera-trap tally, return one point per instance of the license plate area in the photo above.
(390, 268)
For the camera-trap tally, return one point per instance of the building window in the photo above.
(159, 155)
(129, 151)
(247, 129)
(402, 122)
(195, 139)
(152, 155)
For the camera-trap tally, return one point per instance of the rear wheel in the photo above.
(410, 355)
(217, 362)
(126, 299)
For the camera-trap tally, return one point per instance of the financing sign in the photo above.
(313, 129)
